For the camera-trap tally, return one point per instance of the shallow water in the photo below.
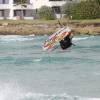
(29, 73)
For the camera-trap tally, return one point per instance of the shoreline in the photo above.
(48, 28)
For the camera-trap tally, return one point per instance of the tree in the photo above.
(22, 3)
(98, 1)
(67, 8)
(89, 9)
(46, 13)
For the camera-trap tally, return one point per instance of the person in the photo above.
(66, 42)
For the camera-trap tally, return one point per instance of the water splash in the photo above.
(10, 91)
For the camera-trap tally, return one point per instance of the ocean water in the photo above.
(29, 73)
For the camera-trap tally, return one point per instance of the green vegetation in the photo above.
(46, 13)
(67, 9)
(98, 1)
(89, 9)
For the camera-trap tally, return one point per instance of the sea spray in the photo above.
(10, 91)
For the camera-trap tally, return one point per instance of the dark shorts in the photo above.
(65, 43)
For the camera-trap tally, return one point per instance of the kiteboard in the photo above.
(56, 37)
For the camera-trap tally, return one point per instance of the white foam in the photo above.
(82, 38)
(40, 96)
(37, 60)
(7, 38)
(11, 91)
(78, 38)
(64, 96)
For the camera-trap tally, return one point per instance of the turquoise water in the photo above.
(29, 73)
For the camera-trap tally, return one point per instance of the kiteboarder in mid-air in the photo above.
(63, 36)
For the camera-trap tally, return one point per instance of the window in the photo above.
(24, 12)
(20, 13)
(56, 9)
(17, 13)
(3, 1)
(1, 13)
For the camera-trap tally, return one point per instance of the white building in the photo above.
(9, 10)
